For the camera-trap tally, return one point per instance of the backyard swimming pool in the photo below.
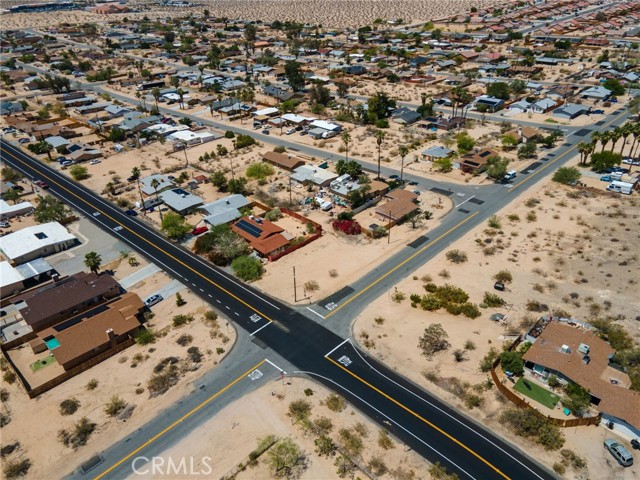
(52, 342)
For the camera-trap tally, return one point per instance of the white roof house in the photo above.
(191, 138)
(297, 119)
(163, 180)
(36, 241)
(265, 111)
(313, 174)
(9, 211)
(180, 200)
(10, 279)
(332, 127)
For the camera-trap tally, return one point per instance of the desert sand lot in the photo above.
(571, 253)
(230, 436)
(328, 13)
(35, 423)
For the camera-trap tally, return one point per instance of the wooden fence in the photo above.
(519, 402)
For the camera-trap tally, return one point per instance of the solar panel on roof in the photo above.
(249, 228)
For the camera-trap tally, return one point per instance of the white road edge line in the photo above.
(313, 311)
(389, 419)
(256, 331)
(274, 366)
(442, 411)
(336, 348)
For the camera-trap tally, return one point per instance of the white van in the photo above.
(510, 175)
(620, 187)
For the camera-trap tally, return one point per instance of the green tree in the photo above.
(498, 90)
(247, 268)
(465, 142)
(509, 141)
(351, 167)
(433, 340)
(12, 195)
(117, 134)
(93, 261)
(293, 72)
(497, 167)
(444, 164)
(346, 139)
(259, 170)
(50, 209)
(79, 172)
(237, 185)
(175, 226)
(614, 86)
(602, 160)
(10, 175)
(218, 179)
(380, 106)
(512, 361)
(527, 150)
(319, 94)
(577, 399)
(379, 136)
(283, 457)
(567, 175)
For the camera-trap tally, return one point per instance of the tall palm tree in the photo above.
(156, 96)
(379, 135)
(595, 138)
(584, 149)
(403, 150)
(180, 93)
(155, 184)
(93, 260)
(200, 79)
(616, 134)
(625, 131)
(346, 139)
(135, 173)
(605, 138)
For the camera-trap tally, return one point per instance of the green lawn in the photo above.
(537, 393)
(42, 363)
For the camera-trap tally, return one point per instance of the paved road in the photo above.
(433, 429)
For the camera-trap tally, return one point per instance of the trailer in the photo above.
(620, 187)
(149, 85)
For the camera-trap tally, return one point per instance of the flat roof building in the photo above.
(36, 241)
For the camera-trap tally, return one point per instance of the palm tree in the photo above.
(403, 150)
(346, 138)
(584, 149)
(625, 131)
(595, 138)
(180, 93)
(135, 173)
(379, 134)
(605, 138)
(616, 134)
(155, 184)
(156, 96)
(93, 261)
(200, 79)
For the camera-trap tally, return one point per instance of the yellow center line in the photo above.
(102, 212)
(181, 419)
(421, 418)
(404, 262)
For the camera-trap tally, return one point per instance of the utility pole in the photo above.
(295, 290)
(290, 193)
(389, 229)
(233, 177)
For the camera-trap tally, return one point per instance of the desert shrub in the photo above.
(179, 320)
(9, 376)
(384, 440)
(311, 286)
(529, 424)
(335, 403)
(114, 406)
(273, 215)
(503, 276)
(195, 355)
(165, 376)
(433, 340)
(4, 394)
(259, 171)
(470, 310)
(69, 406)
(494, 222)
(16, 468)
(377, 466)
(324, 424)
(512, 361)
(469, 345)
(472, 400)
(493, 300)
(459, 355)
(9, 448)
(299, 409)
(184, 340)
(488, 359)
(80, 434)
(351, 441)
(439, 472)
(456, 256)
(145, 336)
(92, 385)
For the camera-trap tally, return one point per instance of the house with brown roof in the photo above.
(576, 354)
(265, 237)
(54, 302)
(476, 162)
(83, 337)
(282, 160)
(399, 204)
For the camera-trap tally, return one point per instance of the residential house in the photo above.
(543, 105)
(90, 334)
(577, 355)
(9, 211)
(15, 279)
(520, 106)
(224, 210)
(312, 174)
(476, 162)
(280, 94)
(36, 241)
(405, 116)
(570, 111)
(492, 104)
(47, 305)
(189, 137)
(436, 152)
(282, 160)
(596, 93)
(164, 182)
(399, 204)
(265, 237)
(180, 201)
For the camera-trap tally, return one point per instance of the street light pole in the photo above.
(389, 229)
(295, 290)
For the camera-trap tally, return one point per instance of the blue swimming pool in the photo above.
(52, 342)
